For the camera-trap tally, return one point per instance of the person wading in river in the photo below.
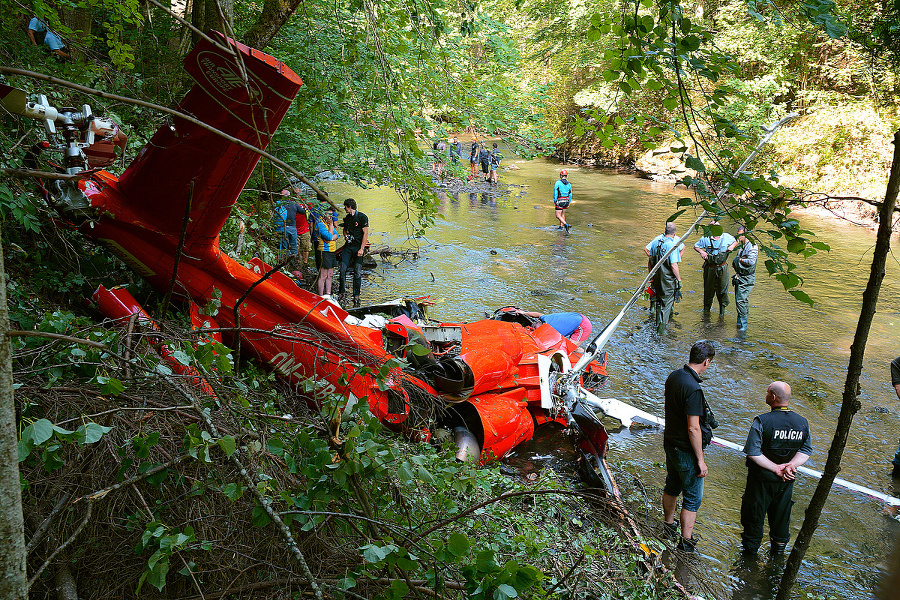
(484, 157)
(473, 159)
(666, 281)
(714, 249)
(562, 199)
(689, 424)
(652, 260)
(777, 444)
(744, 277)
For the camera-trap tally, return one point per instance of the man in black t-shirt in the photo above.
(356, 234)
(687, 433)
(777, 444)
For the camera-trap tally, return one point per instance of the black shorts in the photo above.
(484, 167)
(328, 261)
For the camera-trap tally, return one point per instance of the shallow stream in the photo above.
(489, 251)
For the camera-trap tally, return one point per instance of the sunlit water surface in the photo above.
(488, 251)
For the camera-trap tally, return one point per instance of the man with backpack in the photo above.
(496, 157)
(484, 157)
(285, 215)
(714, 249)
(667, 280)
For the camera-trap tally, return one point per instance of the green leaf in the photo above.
(796, 245)
(157, 575)
(41, 431)
(227, 444)
(691, 43)
(93, 432)
(259, 516)
(419, 350)
(802, 297)
(458, 545)
(504, 592)
(110, 385)
(692, 162)
(233, 491)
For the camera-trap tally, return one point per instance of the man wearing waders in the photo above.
(744, 277)
(714, 249)
(667, 280)
(777, 444)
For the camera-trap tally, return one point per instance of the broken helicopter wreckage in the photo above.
(490, 382)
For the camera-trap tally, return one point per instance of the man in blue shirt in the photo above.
(667, 280)
(51, 40)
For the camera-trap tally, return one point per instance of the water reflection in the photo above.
(756, 577)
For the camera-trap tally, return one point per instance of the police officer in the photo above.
(744, 277)
(714, 249)
(667, 280)
(777, 444)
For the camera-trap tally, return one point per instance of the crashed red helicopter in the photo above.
(490, 382)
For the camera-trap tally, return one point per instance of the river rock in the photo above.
(661, 164)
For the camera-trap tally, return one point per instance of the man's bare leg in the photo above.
(669, 508)
(688, 518)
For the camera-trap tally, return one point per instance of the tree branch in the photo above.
(57, 336)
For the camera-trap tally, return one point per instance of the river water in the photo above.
(489, 251)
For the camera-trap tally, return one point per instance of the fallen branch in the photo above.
(180, 249)
(56, 336)
(39, 532)
(28, 174)
(264, 585)
(125, 408)
(87, 517)
(100, 494)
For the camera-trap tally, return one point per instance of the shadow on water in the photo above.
(488, 252)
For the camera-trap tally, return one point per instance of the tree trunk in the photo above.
(275, 13)
(205, 16)
(850, 403)
(13, 580)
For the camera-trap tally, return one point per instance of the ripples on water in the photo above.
(594, 271)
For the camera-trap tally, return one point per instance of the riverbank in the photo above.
(837, 158)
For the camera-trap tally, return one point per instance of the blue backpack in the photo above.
(281, 216)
